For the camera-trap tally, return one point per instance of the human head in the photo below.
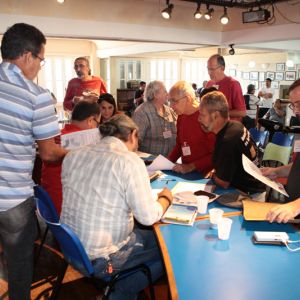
(86, 115)
(194, 86)
(82, 67)
(214, 112)
(108, 107)
(24, 45)
(294, 95)
(122, 127)
(204, 83)
(182, 98)
(250, 89)
(155, 91)
(277, 103)
(268, 82)
(142, 85)
(216, 67)
(207, 90)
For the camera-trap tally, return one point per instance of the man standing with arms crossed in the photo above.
(26, 115)
(230, 87)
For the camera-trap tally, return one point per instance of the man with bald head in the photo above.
(193, 145)
(230, 87)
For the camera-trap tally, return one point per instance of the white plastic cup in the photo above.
(215, 214)
(202, 202)
(224, 227)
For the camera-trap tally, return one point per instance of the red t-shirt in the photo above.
(231, 88)
(76, 86)
(51, 173)
(201, 144)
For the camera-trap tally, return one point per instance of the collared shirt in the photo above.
(157, 134)
(104, 187)
(26, 114)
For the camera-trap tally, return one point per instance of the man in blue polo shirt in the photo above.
(26, 115)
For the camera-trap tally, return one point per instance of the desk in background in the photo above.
(200, 266)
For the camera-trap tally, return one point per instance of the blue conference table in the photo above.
(200, 266)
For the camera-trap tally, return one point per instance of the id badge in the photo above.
(186, 150)
(297, 146)
(167, 134)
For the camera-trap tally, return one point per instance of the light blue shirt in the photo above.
(26, 114)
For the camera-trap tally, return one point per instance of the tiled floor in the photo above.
(75, 287)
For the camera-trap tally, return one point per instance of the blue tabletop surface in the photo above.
(208, 268)
(191, 177)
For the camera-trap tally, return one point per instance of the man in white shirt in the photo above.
(106, 186)
(266, 95)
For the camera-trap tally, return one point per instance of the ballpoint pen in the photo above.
(167, 180)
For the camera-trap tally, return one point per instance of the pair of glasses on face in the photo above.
(213, 69)
(42, 60)
(295, 105)
(176, 101)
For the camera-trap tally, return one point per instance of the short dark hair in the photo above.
(268, 79)
(215, 101)
(108, 98)
(142, 82)
(294, 85)
(250, 88)
(207, 90)
(84, 109)
(21, 38)
(220, 59)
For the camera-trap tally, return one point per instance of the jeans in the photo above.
(17, 235)
(141, 248)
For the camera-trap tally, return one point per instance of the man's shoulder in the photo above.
(232, 131)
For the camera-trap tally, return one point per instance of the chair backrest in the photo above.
(283, 139)
(45, 205)
(260, 137)
(71, 247)
(277, 153)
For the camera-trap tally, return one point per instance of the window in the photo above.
(128, 70)
(194, 71)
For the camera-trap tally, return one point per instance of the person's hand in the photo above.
(76, 99)
(269, 172)
(283, 213)
(183, 168)
(166, 193)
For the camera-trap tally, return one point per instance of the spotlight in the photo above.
(231, 50)
(198, 14)
(208, 14)
(224, 19)
(60, 1)
(166, 13)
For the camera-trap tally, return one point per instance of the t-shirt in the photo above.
(267, 102)
(231, 142)
(232, 90)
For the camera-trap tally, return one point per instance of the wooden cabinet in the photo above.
(125, 99)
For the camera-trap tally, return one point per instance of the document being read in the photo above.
(77, 139)
(254, 171)
(160, 163)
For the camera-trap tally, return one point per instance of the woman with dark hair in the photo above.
(253, 101)
(108, 107)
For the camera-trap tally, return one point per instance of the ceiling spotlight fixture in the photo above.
(60, 1)
(231, 50)
(224, 19)
(208, 14)
(198, 14)
(166, 13)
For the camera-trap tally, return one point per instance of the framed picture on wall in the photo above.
(290, 75)
(253, 76)
(270, 75)
(246, 75)
(293, 68)
(279, 76)
(280, 67)
(239, 74)
(232, 72)
(261, 76)
(275, 84)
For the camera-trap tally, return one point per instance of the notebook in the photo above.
(180, 214)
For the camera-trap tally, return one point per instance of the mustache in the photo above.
(79, 73)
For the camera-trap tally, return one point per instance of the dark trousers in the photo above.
(17, 235)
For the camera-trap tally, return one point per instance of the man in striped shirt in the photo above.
(26, 115)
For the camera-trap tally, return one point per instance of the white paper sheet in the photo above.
(160, 163)
(80, 138)
(143, 154)
(254, 171)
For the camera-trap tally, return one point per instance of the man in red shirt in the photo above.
(230, 87)
(193, 145)
(85, 86)
(86, 115)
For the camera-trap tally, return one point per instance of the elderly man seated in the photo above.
(106, 186)
(193, 144)
(232, 141)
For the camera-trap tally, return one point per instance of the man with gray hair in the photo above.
(232, 141)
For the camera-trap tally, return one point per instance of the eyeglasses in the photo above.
(79, 66)
(176, 101)
(42, 60)
(213, 69)
(295, 105)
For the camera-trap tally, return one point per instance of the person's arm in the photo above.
(220, 182)
(68, 100)
(103, 89)
(238, 109)
(283, 213)
(49, 151)
(184, 168)
(261, 93)
(279, 112)
(237, 113)
(141, 119)
(274, 173)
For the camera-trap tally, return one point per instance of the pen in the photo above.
(167, 180)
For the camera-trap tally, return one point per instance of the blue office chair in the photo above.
(283, 139)
(45, 203)
(76, 256)
(260, 137)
